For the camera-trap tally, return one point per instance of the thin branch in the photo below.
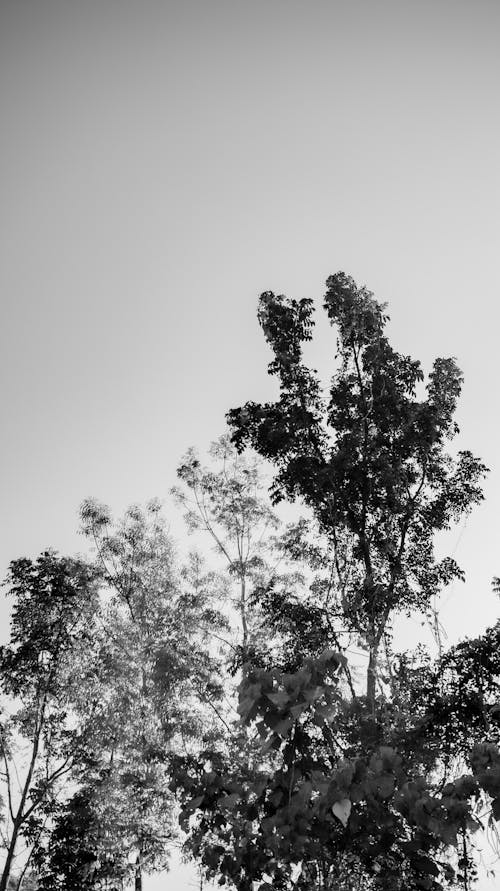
(7, 775)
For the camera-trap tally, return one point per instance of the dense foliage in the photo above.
(342, 786)
(257, 699)
(51, 648)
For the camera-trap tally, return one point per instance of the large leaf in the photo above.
(341, 810)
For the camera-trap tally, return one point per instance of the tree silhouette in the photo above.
(330, 784)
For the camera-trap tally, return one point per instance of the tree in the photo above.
(228, 500)
(75, 856)
(369, 459)
(153, 676)
(347, 788)
(53, 618)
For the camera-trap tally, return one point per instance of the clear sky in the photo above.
(164, 162)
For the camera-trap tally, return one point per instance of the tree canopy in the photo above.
(258, 707)
(348, 786)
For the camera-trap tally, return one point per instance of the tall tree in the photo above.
(348, 787)
(368, 457)
(156, 677)
(228, 501)
(53, 620)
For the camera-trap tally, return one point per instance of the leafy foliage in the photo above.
(155, 674)
(52, 634)
(228, 501)
(114, 681)
(146, 693)
(326, 785)
(369, 457)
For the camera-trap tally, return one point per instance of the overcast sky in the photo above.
(162, 163)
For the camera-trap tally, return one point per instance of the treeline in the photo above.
(151, 701)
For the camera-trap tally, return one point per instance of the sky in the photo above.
(162, 163)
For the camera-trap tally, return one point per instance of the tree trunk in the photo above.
(8, 860)
(243, 612)
(19, 818)
(374, 638)
(371, 677)
(138, 873)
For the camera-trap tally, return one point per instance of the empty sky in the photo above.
(164, 162)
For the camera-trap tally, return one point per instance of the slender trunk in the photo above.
(8, 860)
(243, 611)
(376, 633)
(138, 873)
(20, 816)
(436, 630)
(244, 624)
(24, 870)
(371, 677)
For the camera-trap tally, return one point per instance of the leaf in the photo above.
(280, 699)
(195, 802)
(425, 865)
(495, 807)
(283, 728)
(313, 693)
(229, 801)
(341, 810)
(385, 786)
